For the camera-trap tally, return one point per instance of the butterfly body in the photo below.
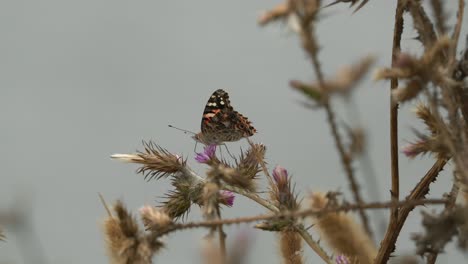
(221, 123)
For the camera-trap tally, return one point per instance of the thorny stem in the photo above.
(395, 191)
(310, 46)
(408, 203)
(222, 236)
(457, 29)
(304, 234)
(252, 196)
(314, 245)
(387, 246)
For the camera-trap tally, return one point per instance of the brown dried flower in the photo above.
(343, 83)
(155, 218)
(125, 242)
(157, 162)
(282, 191)
(441, 228)
(417, 72)
(342, 233)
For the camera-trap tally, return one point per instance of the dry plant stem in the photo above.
(395, 191)
(314, 245)
(252, 196)
(439, 15)
(387, 246)
(457, 29)
(304, 234)
(309, 46)
(304, 213)
(222, 237)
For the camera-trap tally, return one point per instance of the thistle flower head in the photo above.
(282, 191)
(207, 154)
(342, 259)
(156, 162)
(426, 144)
(177, 203)
(413, 149)
(126, 243)
(226, 197)
(280, 175)
(154, 218)
(249, 163)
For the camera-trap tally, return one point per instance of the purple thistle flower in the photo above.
(226, 197)
(413, 149)
(280, 174)
(342, 259)
(207, 154)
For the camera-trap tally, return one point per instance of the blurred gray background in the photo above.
(81, 80)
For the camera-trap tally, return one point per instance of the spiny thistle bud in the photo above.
(282, 192)
(249, 164)
(226, 197)
(343, 83)
(425, 114)
(312, 91)
(125, 242)
(426, 144)
(413, 149)
(342, 259)
(157, 162)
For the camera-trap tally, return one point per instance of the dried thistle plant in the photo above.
(436, 78)
(343, 83)
(440, 229)
(125, 242)
(341, 232)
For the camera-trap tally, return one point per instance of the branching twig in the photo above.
(387, 246)
(395, 191)
(310, 46)
(409, 203)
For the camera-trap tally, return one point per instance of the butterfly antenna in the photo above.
(183, 130)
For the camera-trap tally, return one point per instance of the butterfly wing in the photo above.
(217, 106)
(221, 123)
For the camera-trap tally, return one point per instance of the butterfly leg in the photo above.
(228, 151)
(195, 147)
